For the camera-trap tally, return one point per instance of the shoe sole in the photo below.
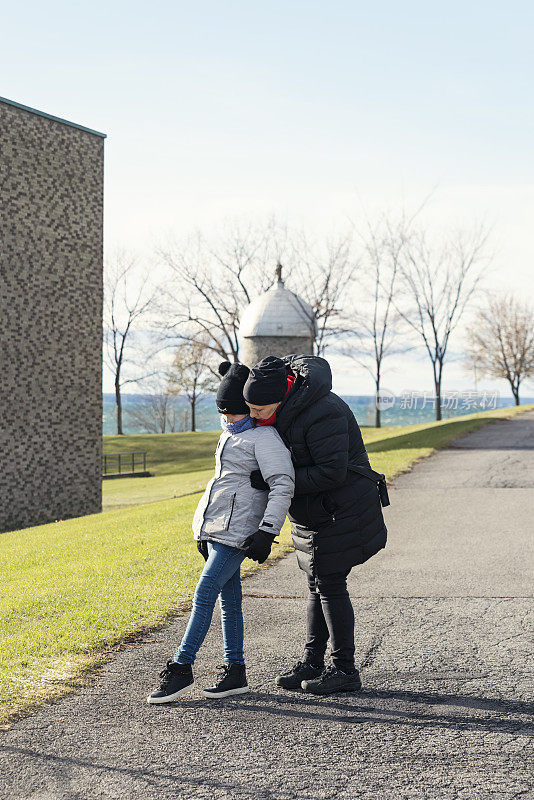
(170, 698)
(227, 693)
(289, 688)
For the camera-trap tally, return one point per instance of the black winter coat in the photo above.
(336, 514)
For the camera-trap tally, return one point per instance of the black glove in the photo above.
(202, 548)
(259, 545)
(257, 482)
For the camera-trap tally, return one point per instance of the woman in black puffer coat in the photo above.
(336, 514)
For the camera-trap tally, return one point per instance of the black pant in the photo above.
(330, 616)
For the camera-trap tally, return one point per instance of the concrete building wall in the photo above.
(51, 295)
(254, 348)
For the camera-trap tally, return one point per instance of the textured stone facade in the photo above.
(51, 294)
(254, 348)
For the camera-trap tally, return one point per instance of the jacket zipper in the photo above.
(231, 511)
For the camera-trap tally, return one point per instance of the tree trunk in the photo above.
(193, 403)
(377, 409)
(437, 385)
(164, 416)
(118, 403)
(515, 392)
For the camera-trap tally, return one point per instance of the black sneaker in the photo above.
(232, 680)
(175, 680)
(333, 680)
(303, 670)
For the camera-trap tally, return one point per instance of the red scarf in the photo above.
(272, 419)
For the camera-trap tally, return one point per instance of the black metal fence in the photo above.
(124, 463)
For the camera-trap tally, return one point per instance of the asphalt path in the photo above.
(443, 644)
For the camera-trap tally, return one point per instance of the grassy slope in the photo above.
(181, 463)
(169, 453)
(77, 588)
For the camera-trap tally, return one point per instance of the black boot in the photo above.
(303, 670)
(175, 680)
(232, 680)
(333, 680)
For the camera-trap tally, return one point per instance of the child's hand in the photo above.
(259, 545)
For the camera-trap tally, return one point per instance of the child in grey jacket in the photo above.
(241, 511)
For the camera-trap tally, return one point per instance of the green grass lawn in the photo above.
(181, 463)
(76, 589)
(123, 492)
(169, 453)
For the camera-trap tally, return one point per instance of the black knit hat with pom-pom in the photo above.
(230, 392)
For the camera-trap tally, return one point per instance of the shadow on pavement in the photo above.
(152, 776)
(491, 716)
(328, 708)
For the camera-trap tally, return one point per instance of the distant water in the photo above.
(402, 410)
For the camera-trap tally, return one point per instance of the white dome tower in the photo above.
(276, 323)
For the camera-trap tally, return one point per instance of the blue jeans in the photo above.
(221, 576)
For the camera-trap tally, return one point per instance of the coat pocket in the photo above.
(321, 509)
(312, 510)
(328, 506)
(219, 512)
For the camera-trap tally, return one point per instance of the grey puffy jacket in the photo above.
(230, 510)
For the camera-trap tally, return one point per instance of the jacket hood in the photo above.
(313, 381)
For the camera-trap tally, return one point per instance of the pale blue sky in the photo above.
(303, 108)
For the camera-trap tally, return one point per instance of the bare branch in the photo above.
(440, 281)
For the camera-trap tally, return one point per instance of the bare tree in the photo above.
(193, 374)
(439, 282)
(217, 280)
(155, 410)
(214, 282)
(501, 341)
(129, 297)
(373, 324)
(322, 274)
